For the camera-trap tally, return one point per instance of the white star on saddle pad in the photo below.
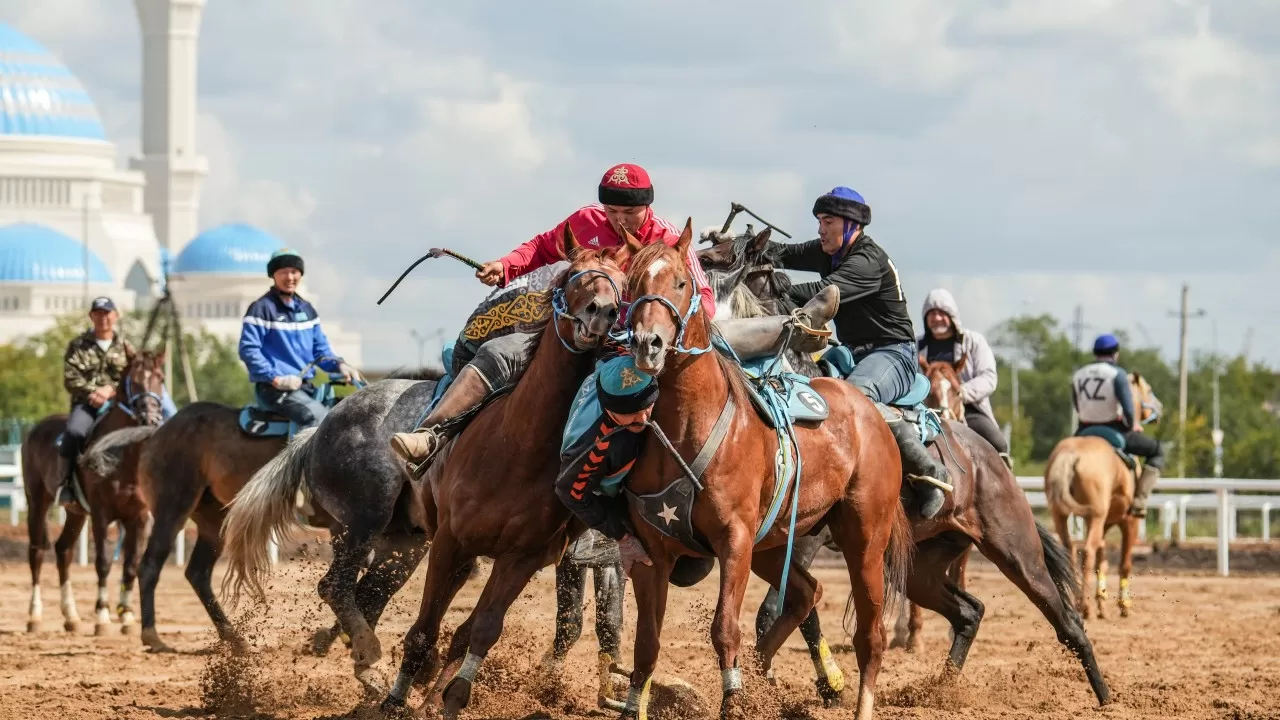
(668, 513)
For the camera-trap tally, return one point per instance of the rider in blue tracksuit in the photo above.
(281, 338)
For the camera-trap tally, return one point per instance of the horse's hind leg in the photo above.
(1095, 554)
(209, 516)
(1128, 534)
(397, 558)
(176, 498)
(829, 677)
(511, 573)
(338, 589)
(133, 530)
(1044, 572)
(864, 547)
(931, 587)
(62, 552)
(803, 594)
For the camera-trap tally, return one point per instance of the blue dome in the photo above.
(35, 253)
(232, 249)
(39, 95)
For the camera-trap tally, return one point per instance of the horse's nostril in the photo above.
(593, 308)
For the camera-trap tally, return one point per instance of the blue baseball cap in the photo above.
(102, 304)
(1105, 344)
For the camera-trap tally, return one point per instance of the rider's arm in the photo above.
(578, 479)
(252, 332)
(704, 285)
(1124, 397)
(982, 362)
(77, 378)
(857, 277)
(801, 256)
(320, 348)
(541, 251)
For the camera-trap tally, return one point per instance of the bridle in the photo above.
(560, 303)
(137, 405)
(682, 321)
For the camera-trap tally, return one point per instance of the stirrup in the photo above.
(798, 319)
(943, 486)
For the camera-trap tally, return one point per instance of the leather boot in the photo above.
(467, 391)
(1146, 483)
(762, 337)
(928, 477)
(66, 495)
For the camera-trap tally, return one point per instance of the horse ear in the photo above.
(686, 238)
(621, 254)
(958, 365)
(570, 242)
(761, 241)
(924, 362)
(633, 245)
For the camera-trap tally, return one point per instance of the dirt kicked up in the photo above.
(1196, 647)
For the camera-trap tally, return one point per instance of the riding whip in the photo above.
(432, 253)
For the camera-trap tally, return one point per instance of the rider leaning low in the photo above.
(626, 194)
(1100, 391)
(280, 338)
(873, 321)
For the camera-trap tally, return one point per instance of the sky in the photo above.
(1030, 155)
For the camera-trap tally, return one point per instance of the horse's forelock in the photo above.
(650, 254)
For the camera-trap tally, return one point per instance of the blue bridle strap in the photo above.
(130, 399)
(682, 321)
(560, 304)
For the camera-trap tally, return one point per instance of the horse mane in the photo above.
(422, 373)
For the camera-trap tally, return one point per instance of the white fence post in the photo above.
(1266, 522)
(1168, 511)
(1182, 519)
(1224, 518)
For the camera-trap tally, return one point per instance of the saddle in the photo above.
(1113, 437)
(261, 420)
(838, 362)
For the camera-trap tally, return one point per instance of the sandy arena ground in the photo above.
(1197, 647)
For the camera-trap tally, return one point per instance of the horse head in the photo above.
(944, 381)
(748, 262)
(589, 302)
(142, 387)
(1149, 406)
(666, 299)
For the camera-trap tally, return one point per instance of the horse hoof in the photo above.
(33, 626)
(1124, 612)
(372, 681)
(154, 644)
(457, 695)
(71, 626)
(365, 648)
(732, 707)
(829, 695)
(394, 707)
(99, 630)
(128, 629)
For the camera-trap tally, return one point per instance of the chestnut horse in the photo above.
(851, 483)
(987, 510)
(111, 497)
(1086, 477)
(491, 489)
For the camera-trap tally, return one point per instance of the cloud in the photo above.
(1093, 152)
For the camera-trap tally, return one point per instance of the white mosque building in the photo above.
(73, 225)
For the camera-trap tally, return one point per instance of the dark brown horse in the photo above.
(491, 489)
(111, 497)
(945, 398)
(852, 478)
(192, 466)
(987, 510)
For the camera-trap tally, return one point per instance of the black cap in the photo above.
(102, 304)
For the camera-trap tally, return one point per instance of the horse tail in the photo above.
(1057, 482)
(261, 511)
(898, 557)
(1058, 561)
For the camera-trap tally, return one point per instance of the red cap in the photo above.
(627, 185)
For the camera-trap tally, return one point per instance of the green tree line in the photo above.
(31, 369)
(1249, 400)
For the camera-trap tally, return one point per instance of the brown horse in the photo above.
(111, 497)
(987, 510)
(851, 483)
(945, 398)
(1086, 477)
(491, 491)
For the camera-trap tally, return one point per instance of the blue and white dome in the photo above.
(231, 249)
(35, 253)
(39, 95)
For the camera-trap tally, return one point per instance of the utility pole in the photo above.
(1078, 327)
(422, 343)
(1183, 315)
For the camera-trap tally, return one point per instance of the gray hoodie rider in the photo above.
(979, 372)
